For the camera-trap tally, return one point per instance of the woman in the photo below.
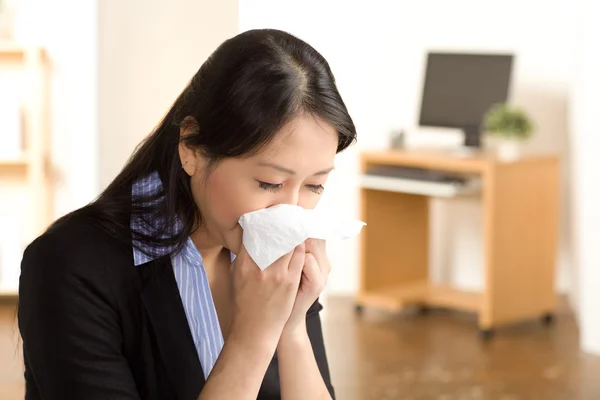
(148, 292)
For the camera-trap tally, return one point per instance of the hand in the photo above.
(314, 277)
(263, 300)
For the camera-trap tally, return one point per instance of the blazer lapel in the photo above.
(162, 301)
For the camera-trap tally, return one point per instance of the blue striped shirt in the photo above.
(192, 282)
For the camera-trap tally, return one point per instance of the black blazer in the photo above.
(94, 326)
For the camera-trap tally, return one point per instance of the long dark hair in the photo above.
(240, 97)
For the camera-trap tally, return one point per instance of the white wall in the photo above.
(115, 68)
(148, 51)
(586, 175)
(376, 50)
(71, 47)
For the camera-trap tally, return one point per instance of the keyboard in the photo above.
(417, 174)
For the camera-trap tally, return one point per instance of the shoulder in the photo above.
(75, 244)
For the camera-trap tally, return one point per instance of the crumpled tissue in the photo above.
(270, 233)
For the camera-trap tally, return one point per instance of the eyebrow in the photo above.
(291, 171)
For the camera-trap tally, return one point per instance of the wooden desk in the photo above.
(520, 214)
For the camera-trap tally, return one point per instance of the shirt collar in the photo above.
(146, 186)
(145, 252)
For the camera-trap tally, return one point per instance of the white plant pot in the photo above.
(509, 150)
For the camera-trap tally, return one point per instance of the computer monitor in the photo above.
(460, 88)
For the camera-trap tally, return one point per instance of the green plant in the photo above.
(508, 122)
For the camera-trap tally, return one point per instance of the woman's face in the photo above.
(291, 169)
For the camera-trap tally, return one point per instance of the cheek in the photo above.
(309, 200)
(229, 199)
(222, 197)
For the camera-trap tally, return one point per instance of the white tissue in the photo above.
(271, 232)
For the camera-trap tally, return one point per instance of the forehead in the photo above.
(305, 135)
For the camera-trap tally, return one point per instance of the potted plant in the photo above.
(510, 126)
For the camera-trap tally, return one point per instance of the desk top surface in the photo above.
(458, 161)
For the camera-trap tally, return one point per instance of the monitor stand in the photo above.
(472, 145)
(472, 137)
(465, 152)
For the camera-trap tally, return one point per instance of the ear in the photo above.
(188, 156)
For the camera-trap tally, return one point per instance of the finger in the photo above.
(311, 271)
(297, 260)
(281, 264)
(284, 260)
(318, 248)
(243, 262)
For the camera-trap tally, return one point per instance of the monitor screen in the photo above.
(460, 88)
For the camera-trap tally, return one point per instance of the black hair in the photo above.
(245, 92)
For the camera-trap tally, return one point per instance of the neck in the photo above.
(209, 249)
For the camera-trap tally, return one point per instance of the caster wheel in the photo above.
(486, 334)
(548, 319)
(423, 310)
(358, 309)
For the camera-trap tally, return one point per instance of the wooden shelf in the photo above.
(11, 52)
(14, 166)
(422, 292)
(15, 161)
(7, 293)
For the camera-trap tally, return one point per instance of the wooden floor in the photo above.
(437, 356)
(11, 366)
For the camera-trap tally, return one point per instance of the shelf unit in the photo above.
(30, 170)
(520, 217)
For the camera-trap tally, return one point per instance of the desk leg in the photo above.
(521, 219)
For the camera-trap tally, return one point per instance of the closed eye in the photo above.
(271, 187)
(318, 189)
(274, 187)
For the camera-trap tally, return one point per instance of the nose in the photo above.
(290, 196)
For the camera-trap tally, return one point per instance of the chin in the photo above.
(232, 239)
